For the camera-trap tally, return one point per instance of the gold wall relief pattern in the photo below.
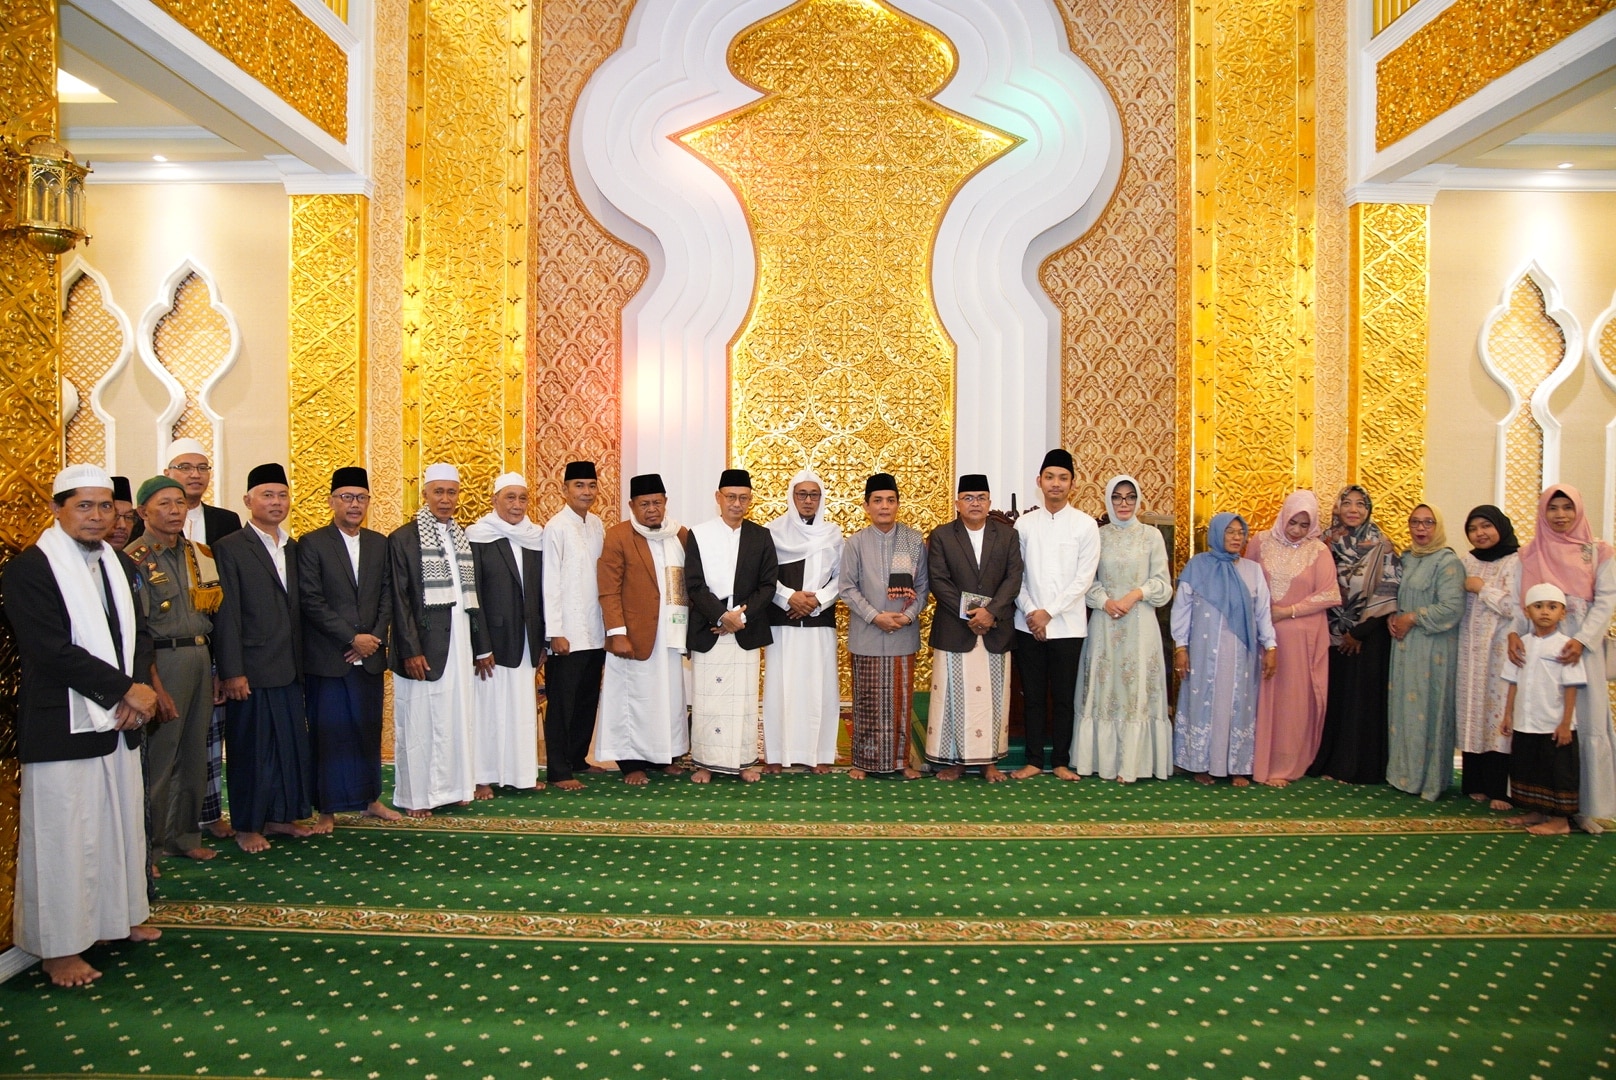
(1116, 288)
(326, 364)
(582, 276)
(30, 404)
(92, 342)
(384, 338)
(1332, 304)
(275, 43)
(1463, 49)
(465, 277)
(1252, 227)
(845, 169)
(1522, 347)
(191, 342)
(1390, 332)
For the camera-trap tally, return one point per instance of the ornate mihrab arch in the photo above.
(189, 340)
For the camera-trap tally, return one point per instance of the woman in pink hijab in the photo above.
(1302, 580)
(1563, 552)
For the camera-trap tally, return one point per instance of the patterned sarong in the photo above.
(724, 706)
(1544, 778)
(883, 698)
(969, 719)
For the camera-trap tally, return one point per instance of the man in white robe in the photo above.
(81, 857)
(643, 719)
(508, 552)
(439, 645)
(802, 708)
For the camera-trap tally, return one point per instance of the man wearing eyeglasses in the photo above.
(345, 593)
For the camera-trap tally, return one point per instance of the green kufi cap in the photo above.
(154, 485)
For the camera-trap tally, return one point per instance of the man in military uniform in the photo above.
(177, 604)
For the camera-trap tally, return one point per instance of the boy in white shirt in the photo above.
(1541, 712)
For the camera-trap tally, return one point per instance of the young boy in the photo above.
(1541, 711)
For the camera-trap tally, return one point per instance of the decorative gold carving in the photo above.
(275, 43)
(385, 293)
(1390, 328)
(1525, 345)
(92, 341)
(30, 387)
(327, 348)
(191, 341)
(1332, 361)
(1116, 288)
(1252, 222)
(1463, 49)
(845, 168)
(465, 278)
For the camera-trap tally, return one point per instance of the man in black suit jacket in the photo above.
(257, 647)
(968, 722)
(345, 590)
(730, 569)
(81, 865)
(508, 553)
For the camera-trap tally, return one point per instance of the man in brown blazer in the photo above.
(975, 566)
(643, 720)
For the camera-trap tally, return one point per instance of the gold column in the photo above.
(1252, 226)
(1389, 329)
(465, 248)
(327, 350)
(30, 391)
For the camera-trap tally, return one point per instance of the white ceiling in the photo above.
(1576, 129)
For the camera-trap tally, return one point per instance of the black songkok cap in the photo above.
(881, 481)
(735, 478)
(579, 470)
(972, 482)
(1058, 459)
(121, 491)
(646, 484)
(350, 476)
(272, 473)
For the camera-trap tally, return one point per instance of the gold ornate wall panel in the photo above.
(1389, 11)
(582, 276)
(30, 404)
(1525, 345)
(845, 168)
(1332, 304)
(91, 342)
(1252, 279)
(465, 275)
(1390, 334)
(384, 338)
(1463, 49)
(191, 341)
(275, 43)
(326, 361)
(1116, 288)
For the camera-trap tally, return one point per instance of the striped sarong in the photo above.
(969, 719)
(1544, 778)
(883, 698)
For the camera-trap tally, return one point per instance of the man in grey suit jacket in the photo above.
(257, 646)
(975, 564)
(344, 586)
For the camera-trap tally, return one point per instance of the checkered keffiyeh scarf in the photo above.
(437, 582)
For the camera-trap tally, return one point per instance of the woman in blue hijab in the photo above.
(1224, 640)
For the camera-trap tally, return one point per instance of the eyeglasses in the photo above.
(807, 496)
(188, 469)
(973, 499)
(1118, 496)
(1422, 523)
(350, 498)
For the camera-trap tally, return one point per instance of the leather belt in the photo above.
(198, 641)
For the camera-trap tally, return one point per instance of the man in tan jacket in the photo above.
(643, 721)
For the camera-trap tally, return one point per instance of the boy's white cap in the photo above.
(1544, 591)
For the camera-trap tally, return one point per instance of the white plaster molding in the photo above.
(1605, 368)
(76, 267)
(14, 962)
(328, 184)
(1406, 192)
(671, 73)
(320, 14)
(1457, 178)
(1539, 402)
(145, 330)
(1403, 27)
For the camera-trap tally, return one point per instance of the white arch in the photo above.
(176, 393)
(1605, 367)
(75, 268)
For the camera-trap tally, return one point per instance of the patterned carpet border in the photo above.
(831, 931)
(894, 830)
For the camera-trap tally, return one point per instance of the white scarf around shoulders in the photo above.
(81, 591)
(491, 527)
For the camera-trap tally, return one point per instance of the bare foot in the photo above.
(1275, 782)
(1557, 826)
(911, 774)
(821, 770)
(1500, 804)
(994, 775)
(597, 769)
(1063, 773)
(1025, 772)
(856, 773)
(1204, 778)
(637, 778)
(287, 828)
(953, 772)
(1241, 781)
(673, 770)
(419, 813)
(200, 854)
(143, 933)
(252, 843)
(324, 825)
(378, 810)
(538, 785)
(1124, 780)
(751, 776)
(484, 791)
(221, 829)
(773, 770)
(69, 971)
(701, 776)
(155, 871)
(569, 785)
(1533, 818)
(1478, 796)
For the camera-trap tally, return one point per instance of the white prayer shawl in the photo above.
(80, 585)
(433, 752)
(817, 544)
(642, 702)
(669, 554)
(720, 548)
(802, 708)
(491, 527)
(507, 749)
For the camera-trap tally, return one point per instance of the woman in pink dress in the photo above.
(1302, 581)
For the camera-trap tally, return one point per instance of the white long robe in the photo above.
(802, 699)
(642, 702)
(433, 753)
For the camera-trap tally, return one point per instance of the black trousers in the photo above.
(572, 695)
(1048, 680)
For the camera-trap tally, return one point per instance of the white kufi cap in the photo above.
(441, 471)
(181, 447)
(77, 476)
(1543, 590)
(510, 479)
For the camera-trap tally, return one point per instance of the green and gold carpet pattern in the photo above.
(818, 927)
